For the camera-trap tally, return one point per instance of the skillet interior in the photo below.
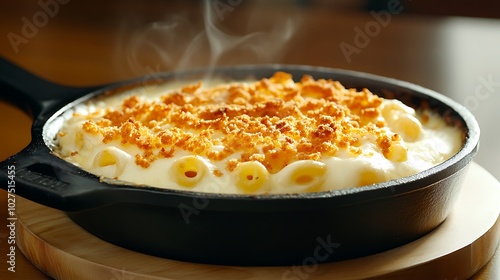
(269, 229)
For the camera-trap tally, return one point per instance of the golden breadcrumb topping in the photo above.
(274, 121)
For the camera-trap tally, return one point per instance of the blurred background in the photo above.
(448, 46)
(126, 37)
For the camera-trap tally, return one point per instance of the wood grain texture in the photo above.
(456, 250)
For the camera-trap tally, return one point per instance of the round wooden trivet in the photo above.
(455, 250)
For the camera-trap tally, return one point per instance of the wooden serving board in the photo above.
(455, 250)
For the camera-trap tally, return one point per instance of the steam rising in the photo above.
(178, 42)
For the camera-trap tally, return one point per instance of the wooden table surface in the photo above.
(83, 43)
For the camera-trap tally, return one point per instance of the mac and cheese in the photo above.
(274, 135)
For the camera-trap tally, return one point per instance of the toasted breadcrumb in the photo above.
(274, 121)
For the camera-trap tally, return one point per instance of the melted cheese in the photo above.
(269, 136)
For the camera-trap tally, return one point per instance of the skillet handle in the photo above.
(31, 93)
(35, 173)
(46, 179)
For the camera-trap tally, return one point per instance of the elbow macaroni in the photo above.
(397, 152)
(303, 176)
(401, 119)
(188, 171)
(250, 177)
(112, 161)
(270, 136)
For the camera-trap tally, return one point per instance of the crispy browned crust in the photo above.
(274, 121)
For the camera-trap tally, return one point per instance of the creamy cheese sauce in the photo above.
(392, 140)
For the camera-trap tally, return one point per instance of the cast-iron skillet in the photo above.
(235, 229)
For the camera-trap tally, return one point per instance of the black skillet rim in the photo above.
(352, 195)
